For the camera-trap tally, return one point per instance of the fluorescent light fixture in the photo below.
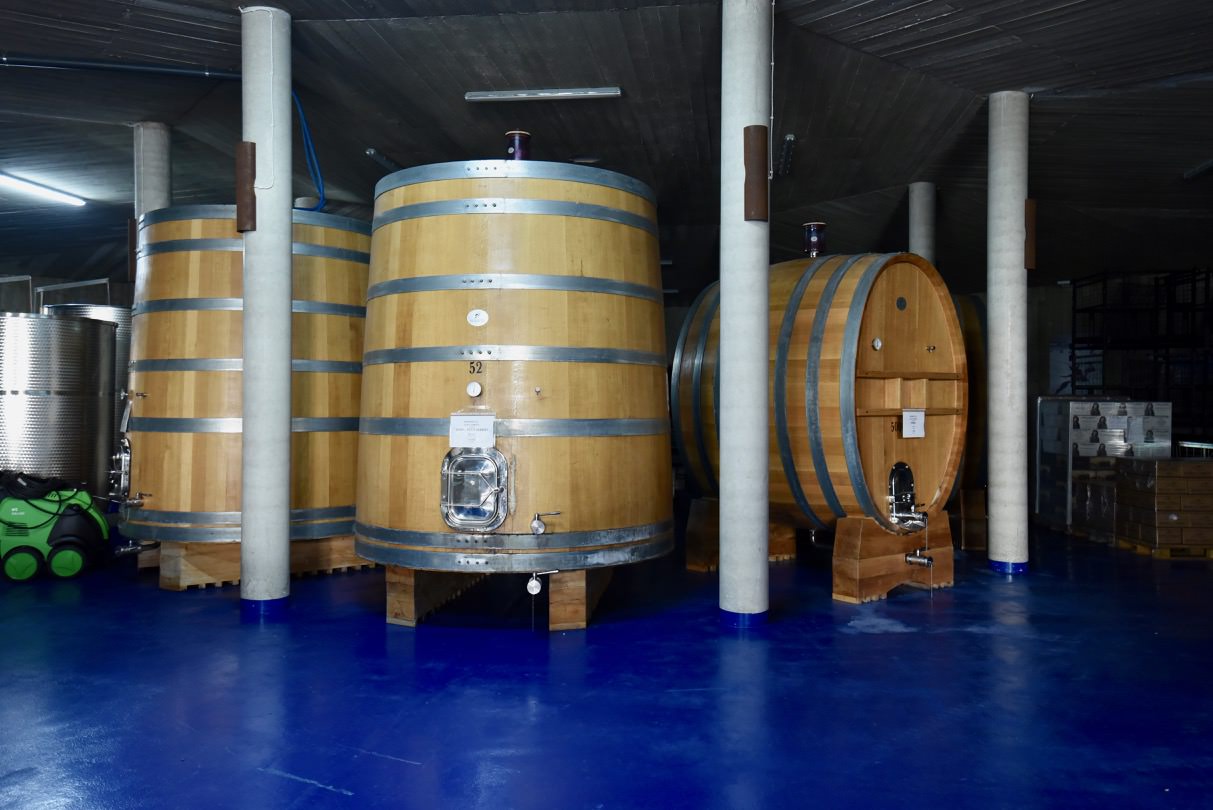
(26, 187)
(553, 94)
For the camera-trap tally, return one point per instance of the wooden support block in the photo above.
(573, 595)
(189, 565)
(703, 537)
(413, 594)
(782, 543)
(869, 561)
(148, 559)
(973, 519)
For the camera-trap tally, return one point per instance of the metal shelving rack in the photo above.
(1147, 337)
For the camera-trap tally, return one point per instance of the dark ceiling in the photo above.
(879, 93)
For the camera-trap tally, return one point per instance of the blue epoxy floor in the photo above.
(1085, 683)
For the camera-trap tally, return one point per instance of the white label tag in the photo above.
(478, 317)
(913, 424)
(473, 430)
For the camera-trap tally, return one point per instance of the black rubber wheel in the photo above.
(67, 561)
(22, 563)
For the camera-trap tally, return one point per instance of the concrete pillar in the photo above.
(266, 460)
(922, 220)
(1007, 309)
(745, 93)
(153, 167)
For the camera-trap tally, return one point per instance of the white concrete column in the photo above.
(922, 220)
(266, 461)
(745, 96)
(1007, 310)
(153, 167)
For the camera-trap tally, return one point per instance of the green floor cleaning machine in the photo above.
(48, 524)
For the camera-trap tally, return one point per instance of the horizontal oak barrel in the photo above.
(854, 341)
(186, 359)
(532, 292)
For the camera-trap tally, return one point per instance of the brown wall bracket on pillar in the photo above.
(246, 196)
(1029, 234)
(756, 169)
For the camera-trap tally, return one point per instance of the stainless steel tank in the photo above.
(120, 317)
(57, 397)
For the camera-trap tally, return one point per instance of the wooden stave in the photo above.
(847, 481)
(375, 512)
(316, 395)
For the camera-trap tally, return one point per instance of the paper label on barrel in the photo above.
(913, 424)
(478, 317)
(473, 430)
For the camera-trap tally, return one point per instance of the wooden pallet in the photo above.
(200, 565)
(1166, 552)
(1102, 536)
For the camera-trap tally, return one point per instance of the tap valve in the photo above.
(537, 524)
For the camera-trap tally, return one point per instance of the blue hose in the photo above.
(309, 154)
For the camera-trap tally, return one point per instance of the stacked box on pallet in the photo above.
(1165, 503)
(1094, 512)
(1078, 441)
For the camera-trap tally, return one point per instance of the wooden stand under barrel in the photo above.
(869, 561)
(413, 594)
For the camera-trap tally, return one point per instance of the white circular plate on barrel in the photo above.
(478, 317)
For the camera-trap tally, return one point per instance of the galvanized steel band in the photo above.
(229, 534)
(551, 354)
(676, 375)
(55, 392)
(237, 364)
(782, 438)
(301, 306)
(512, 428)
(812, 379)
(297, 515)
(696, 382)
(530, 169)
(846, 391)
(298, 217)
(237, 246)
(513, 281)
(509, 205)
(521, 542)
(520, 563)
(232, 424)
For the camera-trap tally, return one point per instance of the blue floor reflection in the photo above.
(1081, 684)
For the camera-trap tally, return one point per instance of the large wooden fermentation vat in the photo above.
(529, 294)
(186, 355)
(855, 342)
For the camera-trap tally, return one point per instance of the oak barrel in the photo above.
(855, 341)
(523, 297)
(186, 357)
(971, 311)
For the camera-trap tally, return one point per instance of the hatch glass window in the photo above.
(474, 488)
